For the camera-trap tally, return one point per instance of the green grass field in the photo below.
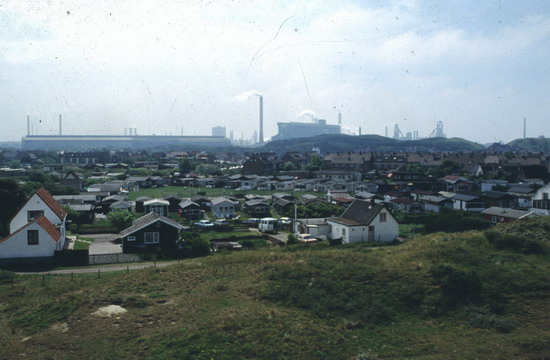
(439, 296)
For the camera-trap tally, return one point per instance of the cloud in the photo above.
(110, 64)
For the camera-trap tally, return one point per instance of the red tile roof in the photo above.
(49, 228)
(44, 224)
(52, 203)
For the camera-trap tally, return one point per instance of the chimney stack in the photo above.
(60, 126)
(28, 125)
(261, 139)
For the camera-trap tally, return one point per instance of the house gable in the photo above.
(40, 203)
(46, 240)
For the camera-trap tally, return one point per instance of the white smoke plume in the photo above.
(248, 94)
(348, 130)
(306, 113)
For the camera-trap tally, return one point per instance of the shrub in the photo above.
(291, 239)
(457, 285)
(515, 242)
(120, 219)
(484, 320)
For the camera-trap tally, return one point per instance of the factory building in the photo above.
(293, 130)
(218, 131)
(84, 142)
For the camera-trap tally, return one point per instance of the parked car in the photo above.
(252, 222)
(203, 224)
(305, 238)
(221, 222)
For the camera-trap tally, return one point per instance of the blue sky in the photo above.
(170, 66)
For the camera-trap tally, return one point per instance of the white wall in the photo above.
(16, 246)
(34, 203)
(383, 231)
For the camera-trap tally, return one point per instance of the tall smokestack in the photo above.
(261, 120)
(28, 125)
(339, 118)
(60, 126)
(524, 127)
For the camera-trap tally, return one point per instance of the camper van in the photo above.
(269, 225)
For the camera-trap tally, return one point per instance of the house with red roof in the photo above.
(37, 230)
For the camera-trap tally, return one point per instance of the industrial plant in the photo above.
(130, 140)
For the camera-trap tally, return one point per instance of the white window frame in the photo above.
(131, 238)
(155, 235)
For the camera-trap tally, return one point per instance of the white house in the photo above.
(364, 221)
(36, 239)
(37, 230)
(41, 203)
(223, 207)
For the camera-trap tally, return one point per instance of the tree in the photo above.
(315, 163)
(12, 197)
(186, 166)
(120, 219)
(289, 166)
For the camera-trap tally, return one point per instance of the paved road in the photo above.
(104, 244)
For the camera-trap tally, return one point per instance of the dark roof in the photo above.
(359, 213)
(146, 220)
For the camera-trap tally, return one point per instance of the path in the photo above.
(105, 268)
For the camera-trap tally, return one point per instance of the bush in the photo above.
(519, 243)
(291, 239)
(195, 246)
(457, 285)
(484, 320)
(120, 219)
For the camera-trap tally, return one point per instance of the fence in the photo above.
(112, 259)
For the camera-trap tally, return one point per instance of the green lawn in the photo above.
(83, 243)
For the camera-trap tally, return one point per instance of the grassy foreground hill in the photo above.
(470, 295)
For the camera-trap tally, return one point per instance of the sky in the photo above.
(173, 67)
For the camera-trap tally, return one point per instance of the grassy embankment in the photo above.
(439, 296)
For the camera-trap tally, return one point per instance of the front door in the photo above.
(371, 233)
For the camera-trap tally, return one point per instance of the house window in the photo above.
(382, 217)
(343, 232)
(131, 238)
(159, 224)
(34, 214)
(151, 237)
(32, 237)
